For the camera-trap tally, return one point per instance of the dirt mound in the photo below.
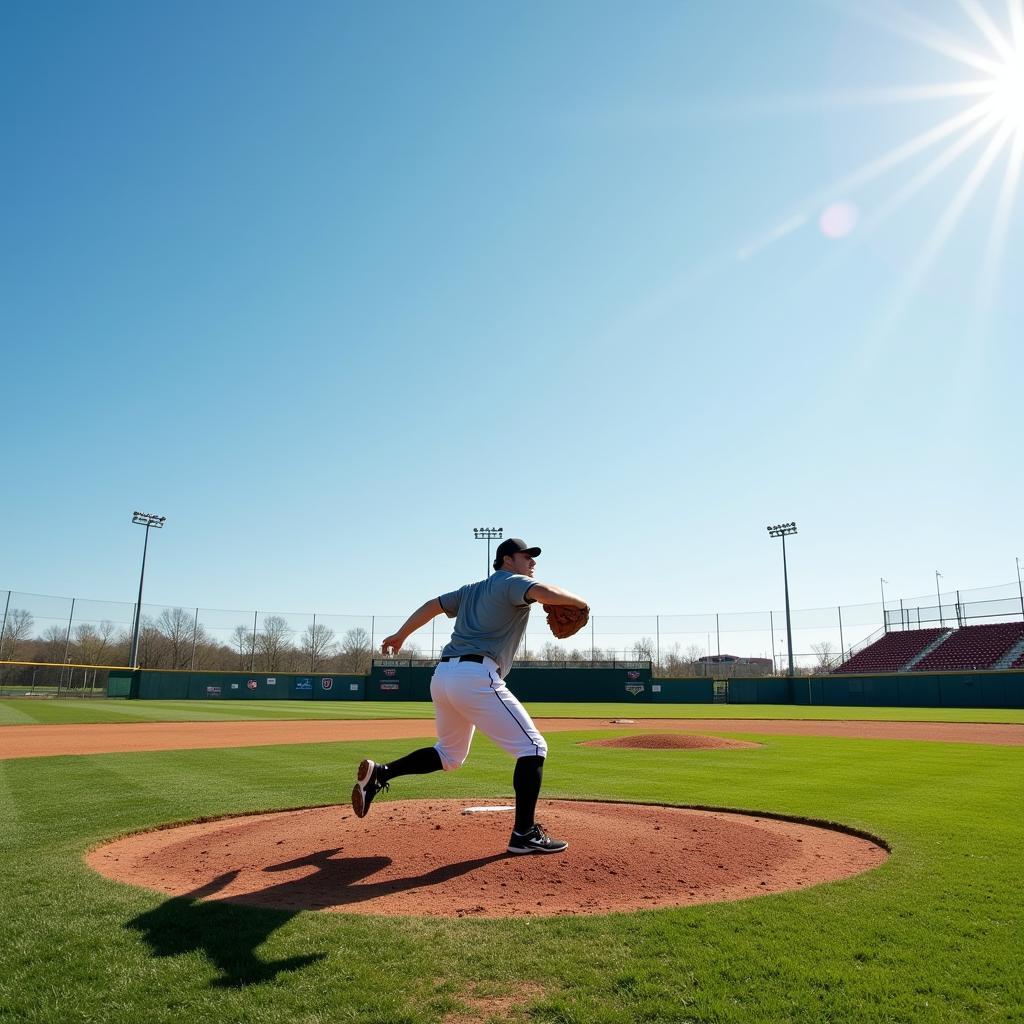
(667, 741)
(426, 858)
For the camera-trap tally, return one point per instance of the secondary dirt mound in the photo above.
(426, 858)
(667, 741)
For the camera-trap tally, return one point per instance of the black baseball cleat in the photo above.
(535, 841)
(367, 786)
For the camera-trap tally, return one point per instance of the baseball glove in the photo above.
(565, 620)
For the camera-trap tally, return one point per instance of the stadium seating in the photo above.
(973, 647)
(891, 652)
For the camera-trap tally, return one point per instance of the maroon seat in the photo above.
(890, 652)
(973, 647)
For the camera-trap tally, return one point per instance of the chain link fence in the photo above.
(59, 631)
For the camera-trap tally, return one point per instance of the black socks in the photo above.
(526, 781)
(419, 762)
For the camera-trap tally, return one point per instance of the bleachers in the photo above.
(973, 647)
(890, 652)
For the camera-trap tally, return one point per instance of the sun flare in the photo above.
(1008, 92)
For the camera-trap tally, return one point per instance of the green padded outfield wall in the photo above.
(154, 684)
(894, 690)
(913, 689)
(119, 683)
(905, 689)
(683, 691)
(577, 685)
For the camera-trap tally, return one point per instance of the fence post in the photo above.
(3, 628)
(433, 622)
(839, 608)
(657, 633)
(312, 646)
(252, 653)
(591, 639)
(718, 636)
(67, 638)
(373, 623)
(903, 623)
(771, 623)
(195, 630)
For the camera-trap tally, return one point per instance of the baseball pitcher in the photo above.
(468, 688)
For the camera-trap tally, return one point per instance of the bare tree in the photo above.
(825, 652)
(643, 649)
(52, 643)
(152, 645)
(178, 627)
(355, 651)
(243, 642)
(17, 629)
(94, 643)
(317, 645)
(551, 652)
(273, 642)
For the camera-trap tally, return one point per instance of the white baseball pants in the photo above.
(468, 695)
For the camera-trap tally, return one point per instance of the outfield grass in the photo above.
(935, 935)
(30, 711)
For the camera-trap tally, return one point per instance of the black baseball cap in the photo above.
(513, 546)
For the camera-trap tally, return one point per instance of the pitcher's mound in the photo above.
(667, 741)
(426, 858)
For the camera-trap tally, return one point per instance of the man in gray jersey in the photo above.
(469, 692)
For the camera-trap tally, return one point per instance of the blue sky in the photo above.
(330, 284)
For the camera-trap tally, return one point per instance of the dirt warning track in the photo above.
(53, 740)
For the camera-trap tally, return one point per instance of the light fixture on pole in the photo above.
(885, 622)
(488, 533)
(938, 596)
(785, 530)
(147, 520)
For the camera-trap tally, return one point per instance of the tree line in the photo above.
(175, 640)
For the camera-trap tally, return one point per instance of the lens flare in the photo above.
(837, 220)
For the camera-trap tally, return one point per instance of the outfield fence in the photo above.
(46, 630)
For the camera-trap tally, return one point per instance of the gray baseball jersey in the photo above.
(490, 617)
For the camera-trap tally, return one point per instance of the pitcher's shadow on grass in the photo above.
(230, 932)
(227, 933)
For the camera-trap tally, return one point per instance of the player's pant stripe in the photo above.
(515, 718)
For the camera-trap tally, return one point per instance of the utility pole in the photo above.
(488, 533)
(147, 520)
(785, 530)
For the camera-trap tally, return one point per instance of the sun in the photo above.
(1008, 91)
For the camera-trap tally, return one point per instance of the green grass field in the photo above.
(53, 712)
(934, 935)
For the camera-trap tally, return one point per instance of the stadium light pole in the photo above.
(882, 582)
(488, 533)
(938, 596)
(147, 520)
(785, 530)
